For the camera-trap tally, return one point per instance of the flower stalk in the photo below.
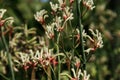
(59, 62)
(81, 30)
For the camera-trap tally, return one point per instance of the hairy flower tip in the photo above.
(54, 6)
(79, 74)
(77, 62)
(85, 76)
(76, 75)
(58, 24)
(68, 14)
(62, 3)
(2, 11)
(40, 16)
(42, 41)
(89, 4)
(50, 31)
(24, 58)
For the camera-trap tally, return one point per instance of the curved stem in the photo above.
(81, 29)
(8, 55)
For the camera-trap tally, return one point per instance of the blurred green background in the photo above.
(105, 63)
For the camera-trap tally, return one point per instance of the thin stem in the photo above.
(8, 55)
(73, 42)
(59, 63)
(81, 29)
(53, 72)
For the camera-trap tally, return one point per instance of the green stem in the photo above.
(81, 29)
(8, 55)
(53, 72)
(59, 63)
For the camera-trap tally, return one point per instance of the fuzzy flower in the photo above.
(54, 6)
(85, 76)
(40, 16)
(50, 31)
(58, 23)
(24, 58)
(41, 41)
(61, 3)
(48, 52)
(2, 11)
(43, 57)
(85, 35)
(89, 4)
(79, 74)
(76, 75)
(68, 15)
(97, 38)
(36, 56)
(77, 62)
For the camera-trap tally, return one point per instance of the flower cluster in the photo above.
(44, 58)
(95, 40)
(21, 39)
(33, 51)
(59, 21)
